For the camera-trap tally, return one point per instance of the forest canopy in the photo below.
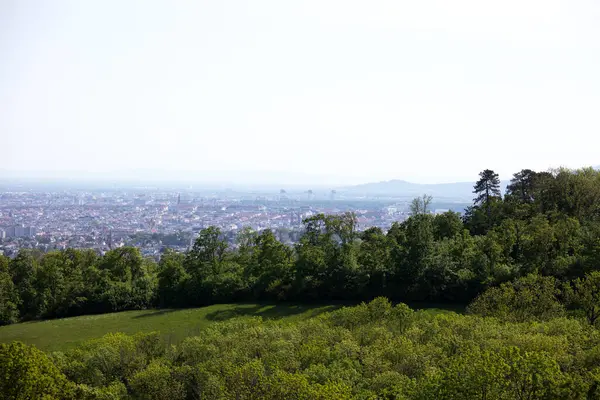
(371, 351)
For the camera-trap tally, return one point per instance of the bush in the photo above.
(529, 298)
(27, 373)
(156, 382)
(358, 352)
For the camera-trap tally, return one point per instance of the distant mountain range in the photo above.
(459, 191)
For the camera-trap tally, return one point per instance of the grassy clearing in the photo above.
(62, 334)
(66, 333)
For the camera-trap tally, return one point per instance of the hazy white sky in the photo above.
(337, 91)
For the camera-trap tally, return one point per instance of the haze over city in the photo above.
(337, 92)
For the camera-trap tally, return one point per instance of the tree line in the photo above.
(546, 223)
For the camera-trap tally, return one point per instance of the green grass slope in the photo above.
(62, 334)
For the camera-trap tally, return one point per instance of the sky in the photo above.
(322, 91)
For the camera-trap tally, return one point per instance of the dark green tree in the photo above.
(128, 280)
(51, 284)
(584, 293)
(486, 208)
(413, 241)
(204, 263)
(172, 280)
(374, 258)
(23, 269)
(271, 267)
(207, 253)
(447, 225)
(327, 263)
(487, 187)
(521, 187)
(9, 298)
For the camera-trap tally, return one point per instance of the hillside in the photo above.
(174, 325)
(375, 350)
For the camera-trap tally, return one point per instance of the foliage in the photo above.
(27, 373)
(175, 325)
(9, 298)
(375, 350)
(529, 298)
(419, 204)
(585, 295)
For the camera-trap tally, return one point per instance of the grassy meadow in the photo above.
(175, 324)
(66, 333)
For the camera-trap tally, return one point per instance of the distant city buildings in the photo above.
(18, 231)
(152, 219)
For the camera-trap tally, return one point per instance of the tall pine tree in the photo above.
(487, 191)
(487, 187)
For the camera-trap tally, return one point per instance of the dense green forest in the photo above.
(547, 223)
(527, 263)
(371, 351)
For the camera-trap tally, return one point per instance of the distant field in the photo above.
(62, 334)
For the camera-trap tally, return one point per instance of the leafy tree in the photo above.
(172, 279)
(157, 382)
(27, 373)
(472, 375)
(419, 204)
(271, 266)
(9, 298)
(245, 241)
(122, 264)
(537, 244)
(73, 297)
(522, 186)
(532, 297)
(545, 193)
(584, 293)
(227, 285)
(534, 375)
(487, 191)
(114, 391)
(414, 243)
(327, 265)
(374, 258)
(51, 284)
(487, 187)
(548, 223)
(331, 229)
(203, 263)
(127, 279)
(115, 356)
(209, 249)
(444, 273)
(23, 269)
(490, 263)
(447, 225)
